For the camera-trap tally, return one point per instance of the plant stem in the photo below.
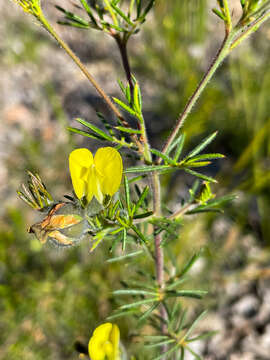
(122, 45)
(251, 28)
(182, 211)
(82, 67)
(220, 56)
(154, 179)
(159, 255)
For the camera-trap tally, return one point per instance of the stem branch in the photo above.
(220, 56)
(82, 67)
(159, 255)
(122, 45)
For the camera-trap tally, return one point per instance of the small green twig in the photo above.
(220, 56)
(249, 29)
(181, 211)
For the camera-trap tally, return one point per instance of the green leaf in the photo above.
(73, 24)
(242, 2)
(189, 264)
(182, 321)
(161, 343)
(124, 106)
(127, 194)
(95, 129)
(125, 257)
(196, 356)
(89, 11)
(73, 17)
(165, 157)
(148, 8)
(143, 285)
(176, 283)
(155, 337)
(107, 25)
(196, 294)
(147, 313)
(139, 233)
(201, 176)
(180, 146)
(128, 130)
(138, 303)
(219, 14)
(203, 336)
(122, 14)
(105, 123)
(212, 205)
(196, 164)
(207, 157)
(122, 86)
(137, 98)
(139, 7)
(84, 133)
(124, 240)
(144, 215)
(174, 144)
(193, 190)
(141, 198)
(194, 324)
(134, 292)
(118, 314)
(201, 146)
(146, 169)
(164, 355)
(182, 355)
(222, 200)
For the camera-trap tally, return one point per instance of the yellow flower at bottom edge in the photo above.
(95, 176)
(104, 343)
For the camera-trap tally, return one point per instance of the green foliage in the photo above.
(136, 225)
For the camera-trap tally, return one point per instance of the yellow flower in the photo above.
(98, 176)
(104, 343)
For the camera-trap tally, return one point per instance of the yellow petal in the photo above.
(95, 349)
(96, 346)
(80, 162)
(94, 186)
(114, 339)
(109, 167)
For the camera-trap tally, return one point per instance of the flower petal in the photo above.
(109, 167)
(94, 186)
(114, 339)
(80, 162)
(96, 348)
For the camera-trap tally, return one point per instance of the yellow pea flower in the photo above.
(104, 343)
(95, 176)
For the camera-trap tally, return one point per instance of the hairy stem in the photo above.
(122, 45)
(159, 254)
(250, 29)
(82, 67)
(220, 56)
(155, 183)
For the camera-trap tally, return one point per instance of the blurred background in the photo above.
(51, 298)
